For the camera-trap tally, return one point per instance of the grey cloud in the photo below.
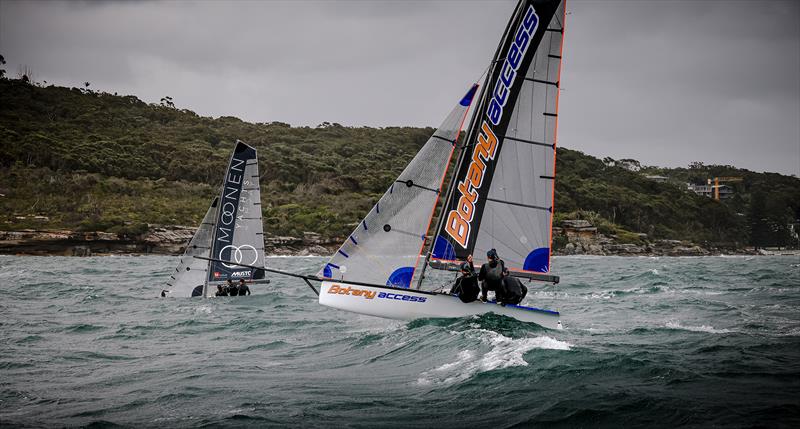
(666, 82)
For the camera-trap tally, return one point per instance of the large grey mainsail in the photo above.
(502, 194)
(385, 246)
(238, 231)
(189, 277)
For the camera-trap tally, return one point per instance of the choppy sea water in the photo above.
(656, 342)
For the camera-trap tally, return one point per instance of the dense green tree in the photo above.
(92, 160)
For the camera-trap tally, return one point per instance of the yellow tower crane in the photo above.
(715, 188)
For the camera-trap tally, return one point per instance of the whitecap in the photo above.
(203, 309)
(702, 328)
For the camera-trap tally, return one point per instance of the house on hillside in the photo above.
(725, 191)
(660, 179)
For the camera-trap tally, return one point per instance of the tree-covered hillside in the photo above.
(74, 158)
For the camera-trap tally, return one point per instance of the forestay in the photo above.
(385, 246)
(502, 193)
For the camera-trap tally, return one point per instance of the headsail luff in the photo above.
(385, 246)
(189, 277)
(503, 188)
(238, 231)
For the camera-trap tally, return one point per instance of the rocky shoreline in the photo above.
(575, 238)
(159, 240)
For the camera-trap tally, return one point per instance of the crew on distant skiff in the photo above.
(221, 291)
(466, 286)
(231, 288)
(491, 277)
(243, 289)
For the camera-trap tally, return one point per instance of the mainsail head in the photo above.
(385, 246)
(238, 231)
(502, 194)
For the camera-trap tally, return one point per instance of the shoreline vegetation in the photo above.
(88, 172)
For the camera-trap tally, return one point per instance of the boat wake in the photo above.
(504, 352)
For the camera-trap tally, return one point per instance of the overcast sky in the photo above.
(665, 82)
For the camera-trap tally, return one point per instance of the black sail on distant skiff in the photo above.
(238, 230)
(231, 231)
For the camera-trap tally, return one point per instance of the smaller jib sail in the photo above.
(238, 234)
(502, 192)
(189, 277)
(385, 246)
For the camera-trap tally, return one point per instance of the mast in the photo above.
(468, 141)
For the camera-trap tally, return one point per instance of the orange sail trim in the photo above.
(555, 133)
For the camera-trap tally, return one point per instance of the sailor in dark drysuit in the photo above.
(221, 291)
(491, 276)
(515, 291)
(466, 286)
(231, 288)
(243, 288)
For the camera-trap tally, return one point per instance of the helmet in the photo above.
(465, 267)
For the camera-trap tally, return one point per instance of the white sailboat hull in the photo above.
(405, 304)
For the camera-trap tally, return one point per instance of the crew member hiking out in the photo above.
(243, 288)
(491, 277)
(515, 291)
(466, 286)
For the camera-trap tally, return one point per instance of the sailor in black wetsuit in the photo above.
(221, 291)
(231, 288)
(491, 276)
(466, 287)
(243, 289)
